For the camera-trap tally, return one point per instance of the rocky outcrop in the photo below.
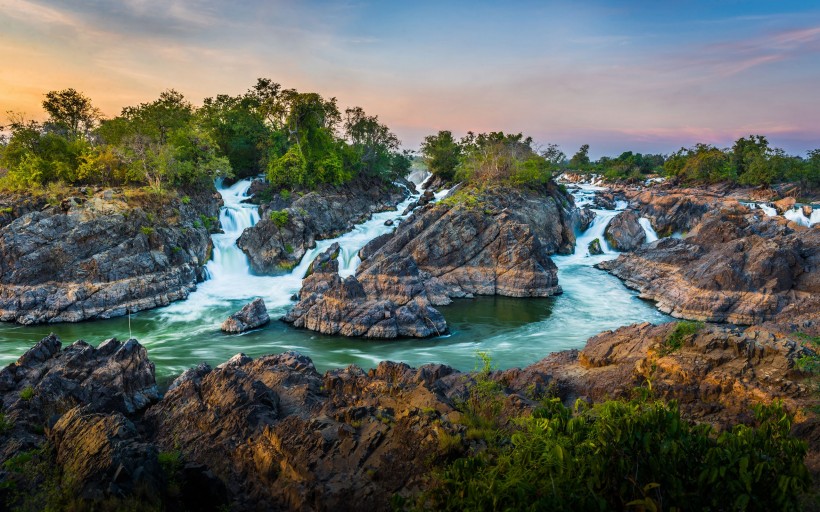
(585, 218)
(716, 375)
(277, 432)
(252, 315)
(733, 267)
(104, 256)
(594, 247)
(272, 433)
(46, 382)
(497, 245)
(675, 210)
(395, 305)
(624, 232)
(280, 241)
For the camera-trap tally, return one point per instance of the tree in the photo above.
(580, 160)
(554, 155)
(441, 153)
(745, 151)
(157, 119)
(373, 142)
(70, 112)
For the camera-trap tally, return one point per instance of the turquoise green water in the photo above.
(515, 332)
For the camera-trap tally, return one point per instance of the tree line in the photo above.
(497, 156)
(300, 140)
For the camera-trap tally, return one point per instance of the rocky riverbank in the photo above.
(733, 266)
(291, 223)
(100, 254)
(489, 242)
(87, 426)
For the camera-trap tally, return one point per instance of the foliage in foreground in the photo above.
(627, 455)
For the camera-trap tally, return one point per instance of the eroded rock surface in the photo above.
(498, 246)
(103, 256)
(733, 267)
(624, 232)
(252, 315)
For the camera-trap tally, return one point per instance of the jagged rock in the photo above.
(784, 205)
(46, 382)
(280, 435)
(389, 222)
(604, 199)
(324, 213)
(585, 218)
(374, 245)
(332, 305)
(717, 375)
(252, 315)
(733, 267)
(106, 456)
(101, 258)
(326, 262)
(594, 247)
(676, 210)
(624, 232)
(807, 210)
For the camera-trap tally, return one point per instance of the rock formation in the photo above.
(273, 433)
(252, 315)
(733, 267)
(497, 246)
(624, 232)
(281, 241)
(102, 256)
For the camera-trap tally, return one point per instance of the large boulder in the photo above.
(624, 232)
(103, 256)
(252, 315)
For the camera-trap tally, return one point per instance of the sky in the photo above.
(644, 76)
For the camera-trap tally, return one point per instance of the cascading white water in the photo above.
(651, 234)
(795, 214)
(234, 217)
(230, 276)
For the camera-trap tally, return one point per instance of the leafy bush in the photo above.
(280, 218)
(674, 341)
(27, 393)
(147, 230)
(620, 455)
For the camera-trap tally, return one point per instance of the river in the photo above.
(515, 332)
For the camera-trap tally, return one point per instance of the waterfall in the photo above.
(796, 214)
(234, 217)
(651, 234)
(230, 276)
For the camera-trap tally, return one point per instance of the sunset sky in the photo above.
(644, 76)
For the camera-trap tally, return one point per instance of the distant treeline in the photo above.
(298, 139)
(498, 156)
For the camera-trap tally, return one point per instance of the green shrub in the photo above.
(186, 199)
(208, 222)
(288, 248)
(6, 210)
(280, 218)
(27, 393)
(674, 341)
(627, 455)
(5, 424)
(147, 230)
